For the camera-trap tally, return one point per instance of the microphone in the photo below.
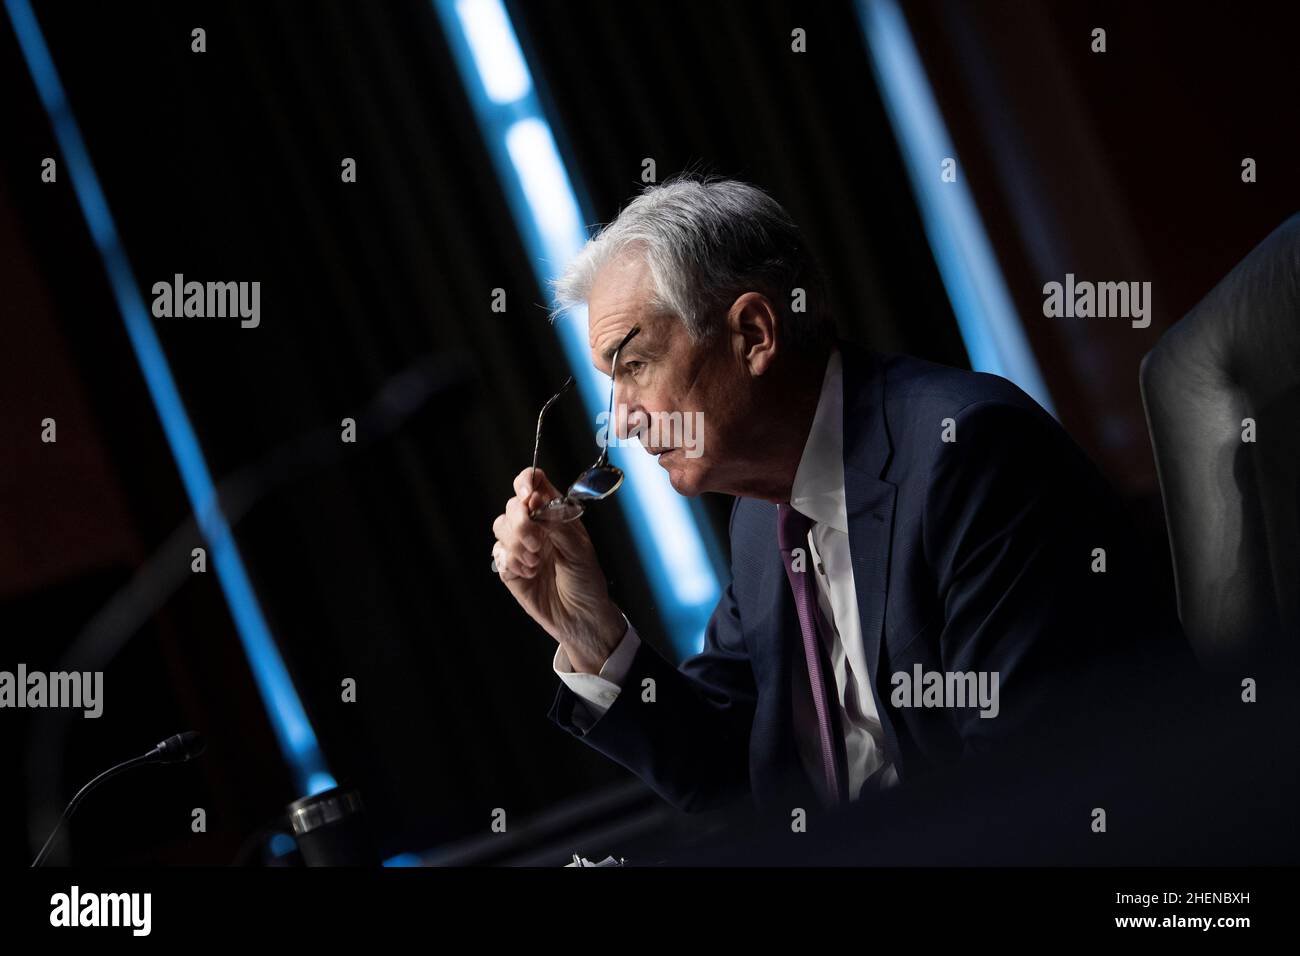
(178, 748)
(436, 379)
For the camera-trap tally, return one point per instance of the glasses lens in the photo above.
(596, 483)
(561, 509)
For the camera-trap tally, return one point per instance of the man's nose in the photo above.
(629, 418)
(636, 422)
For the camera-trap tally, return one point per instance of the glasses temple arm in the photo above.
(537, 439)
(609, 419)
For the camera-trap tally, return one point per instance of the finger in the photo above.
(504, 528)
(523, 530)
(502, 565)
(539, 499)
(523, 483)
(527, 479)
(505, 535)
(512, 561)
(501, 527)
(526, 484)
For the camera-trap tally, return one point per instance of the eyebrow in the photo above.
(608, 354)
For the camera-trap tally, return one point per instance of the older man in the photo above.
(897, 523)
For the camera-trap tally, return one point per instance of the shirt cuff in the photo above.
(599, 691)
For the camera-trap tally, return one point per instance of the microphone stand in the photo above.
(176, 749)
(81, 795)
(432, 378)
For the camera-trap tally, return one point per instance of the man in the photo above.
(923, 563)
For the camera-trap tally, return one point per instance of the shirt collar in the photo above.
(818, 490)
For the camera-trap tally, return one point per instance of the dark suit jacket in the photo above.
(972, 555)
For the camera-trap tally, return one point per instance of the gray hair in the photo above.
(706, 241)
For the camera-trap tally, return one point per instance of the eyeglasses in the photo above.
(600, 480)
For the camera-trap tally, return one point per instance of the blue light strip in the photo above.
(990, 327)
(550, 220)
(293, 731)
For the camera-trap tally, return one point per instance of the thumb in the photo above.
(535, 488)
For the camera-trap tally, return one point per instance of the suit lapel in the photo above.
(870, 507)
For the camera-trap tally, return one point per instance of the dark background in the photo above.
(225, 166)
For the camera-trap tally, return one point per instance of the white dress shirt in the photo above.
(818, 494)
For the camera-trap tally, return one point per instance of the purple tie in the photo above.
(792, 532)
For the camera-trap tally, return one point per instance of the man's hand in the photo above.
(552, 571)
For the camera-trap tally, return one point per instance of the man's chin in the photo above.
(685, 479)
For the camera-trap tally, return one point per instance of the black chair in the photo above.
(1233, 506)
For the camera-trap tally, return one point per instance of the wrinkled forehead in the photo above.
(623, 289)
(621, 333)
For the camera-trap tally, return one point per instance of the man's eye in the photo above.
(634, 367)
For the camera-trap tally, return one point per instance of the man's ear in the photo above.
(751, 320)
